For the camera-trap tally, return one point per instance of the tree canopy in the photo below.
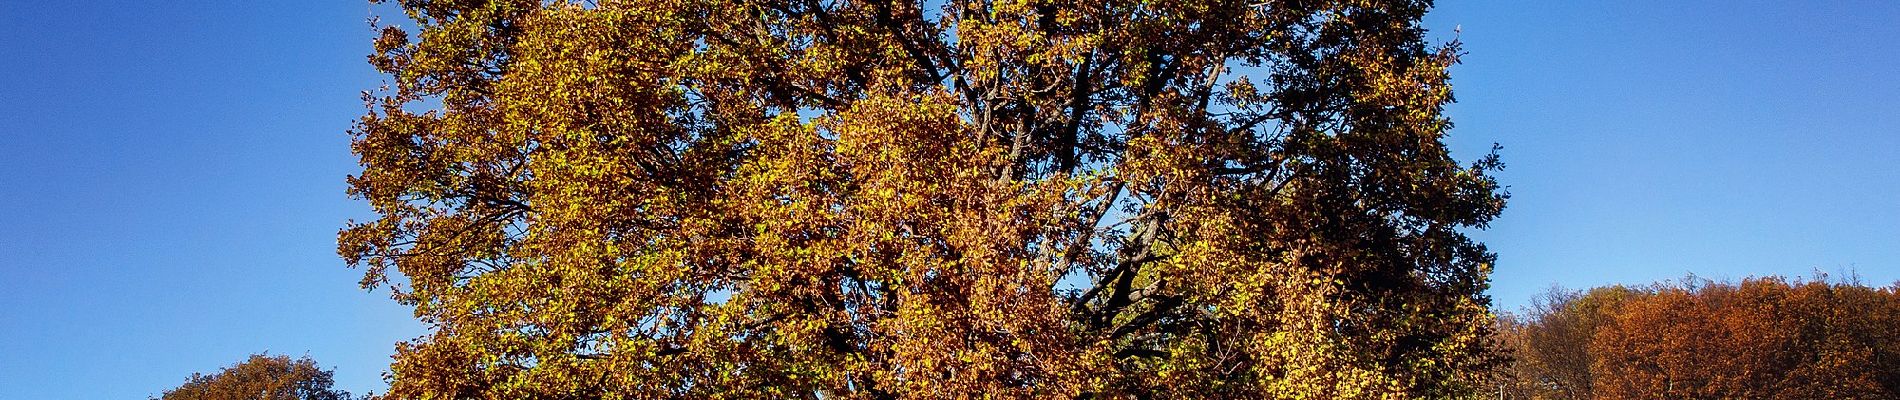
(1764, 338)
(262, 377)
(942, 199)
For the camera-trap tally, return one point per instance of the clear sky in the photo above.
(1647, 140)
(171, 172)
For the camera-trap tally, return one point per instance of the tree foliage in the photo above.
(879, 199)
(1765, 338)
(262, 377)
(1551, 342)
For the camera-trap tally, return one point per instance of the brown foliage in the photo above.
(262, 377)
(1552, 339)
(875, 199)
(1765, 338)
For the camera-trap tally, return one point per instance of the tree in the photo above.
(1550, 343)
(1764, 338)
(878, 199)
(262, 377)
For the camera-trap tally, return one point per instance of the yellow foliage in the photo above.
(963, 199)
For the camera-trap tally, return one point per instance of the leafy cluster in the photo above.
(1765, 338)
(262, 377)
(943, 199)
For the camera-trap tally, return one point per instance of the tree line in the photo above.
(1761, 338)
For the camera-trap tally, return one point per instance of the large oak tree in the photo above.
(940, 199)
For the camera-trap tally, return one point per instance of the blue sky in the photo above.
(1649, 140)
(173, 170)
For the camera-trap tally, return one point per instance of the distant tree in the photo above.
(1658, 347)
(923, 199)
(1550, 342)
(262, 377)
(1764, 338)
(1858, 353)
